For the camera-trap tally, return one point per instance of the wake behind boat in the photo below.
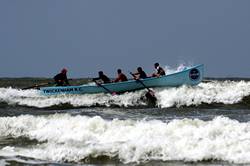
(189, 76)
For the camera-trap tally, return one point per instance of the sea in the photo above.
(203, 125)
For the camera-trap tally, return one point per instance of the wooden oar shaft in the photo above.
(144, 85)
(109, 91)
(42, 84)
(140, 82)
(36, 86)
(150, 95)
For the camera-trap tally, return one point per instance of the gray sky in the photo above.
(39, 37)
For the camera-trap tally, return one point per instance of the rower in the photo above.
(121, 77)
(102, 77)
(140, 74)
(61, 78)
(159, 71)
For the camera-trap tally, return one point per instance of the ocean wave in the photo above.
(225, 92)
(63, 137)
(214, 92)
(32, 98)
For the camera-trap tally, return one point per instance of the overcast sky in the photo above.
(39, 37)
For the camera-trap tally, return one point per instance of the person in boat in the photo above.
(102, 77)
(140, 74)
(61, 78)
(159, 71)
(121, 77)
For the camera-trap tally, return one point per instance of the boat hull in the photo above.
(190, 76)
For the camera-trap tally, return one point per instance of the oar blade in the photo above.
(151, 98)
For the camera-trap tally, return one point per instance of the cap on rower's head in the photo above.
(156, 64)
(64, 70)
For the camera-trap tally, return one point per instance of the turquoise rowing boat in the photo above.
(190, 76)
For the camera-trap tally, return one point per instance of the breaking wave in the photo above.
(224, 92)
(214, 92)
(62, 137)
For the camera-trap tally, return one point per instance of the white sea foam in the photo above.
(34, 99)
(3, 163)
(180, 67)
(74, 138)
(225, 92)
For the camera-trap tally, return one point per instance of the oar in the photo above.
(36, 86)
(42, 84)
(150, 94)
(109, 91)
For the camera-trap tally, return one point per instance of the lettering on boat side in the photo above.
(194, 74)
(63, 90)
